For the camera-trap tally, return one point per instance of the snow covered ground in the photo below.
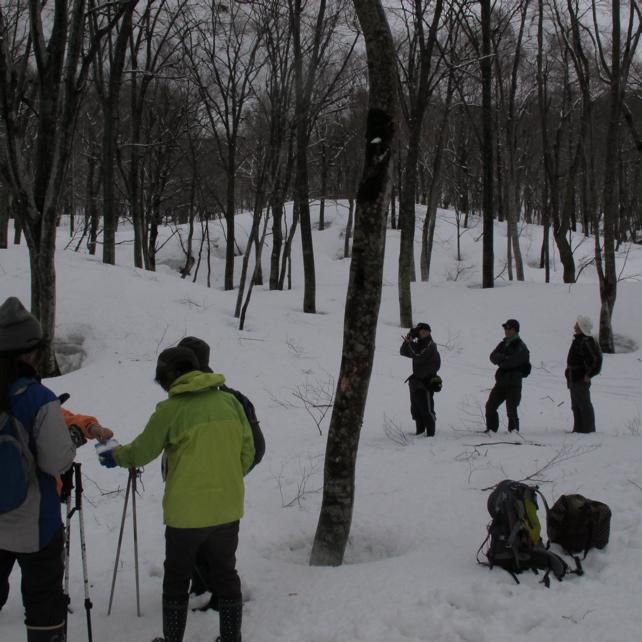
(420, 511)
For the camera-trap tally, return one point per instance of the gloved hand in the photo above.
(106, 459)
(76, 436)
(105, 452)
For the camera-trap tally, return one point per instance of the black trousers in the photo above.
(422, 407)
(215, 547)
(583, 414)
(512, 395)
(42, 575)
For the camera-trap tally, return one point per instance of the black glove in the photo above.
(67, 479)
(77, 437)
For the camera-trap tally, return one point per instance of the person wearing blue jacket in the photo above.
(31, 531)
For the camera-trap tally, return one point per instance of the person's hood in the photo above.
(196, 381)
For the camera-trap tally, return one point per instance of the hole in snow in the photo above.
(70, 352)
(624, 344)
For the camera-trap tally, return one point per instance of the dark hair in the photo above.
(200, 348)
(172, 363)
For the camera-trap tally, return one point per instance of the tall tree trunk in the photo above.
(364, 290)
(348, 232)
(111, 98)
(419, 94)
(406, 271)
(230, 207)
(488, 257)
(608, 276)
(4, 219)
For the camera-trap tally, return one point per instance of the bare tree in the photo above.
(108, 74)
(422, 21)
(364, 290)
(223, 53)
(621, 58)
(38, 110)
(312, 55)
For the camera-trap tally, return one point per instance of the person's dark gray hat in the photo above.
(200, 348)
(20, 331)
(423, 326)
(511, 323)
(174, 362)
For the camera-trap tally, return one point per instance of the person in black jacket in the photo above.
(419, 346)
(513, 360)
(584, 361)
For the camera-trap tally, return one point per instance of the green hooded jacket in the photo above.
(208, 446)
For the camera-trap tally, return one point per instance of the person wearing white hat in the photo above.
(584, 361)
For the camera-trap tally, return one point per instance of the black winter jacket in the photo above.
(511, 356)
(584, 358)
(425, 358)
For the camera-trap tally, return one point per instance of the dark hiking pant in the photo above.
(42, 574)
(422, 407)
(583, 415)
(512, 395)
(215, 547)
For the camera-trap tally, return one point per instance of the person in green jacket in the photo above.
(208, 447)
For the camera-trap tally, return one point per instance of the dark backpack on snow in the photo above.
(515, 534)
(16, 463)
(578, 524)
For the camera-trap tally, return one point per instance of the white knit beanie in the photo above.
(585, 325)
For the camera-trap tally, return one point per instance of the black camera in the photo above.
(414, 333)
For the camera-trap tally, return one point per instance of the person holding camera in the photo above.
(419, 346)
(512, 358)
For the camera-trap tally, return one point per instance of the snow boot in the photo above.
(174, 619)
(54, 633)
(230, 616)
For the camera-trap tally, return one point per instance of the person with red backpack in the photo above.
(36, 449)
(584, 361)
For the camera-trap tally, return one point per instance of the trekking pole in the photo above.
(83, 548)
(66, 493)
(133, 473)
(67, 544)
(120, 541)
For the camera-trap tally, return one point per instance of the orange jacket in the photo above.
(82, 422)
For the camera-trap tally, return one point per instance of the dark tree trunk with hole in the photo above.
(364, 290)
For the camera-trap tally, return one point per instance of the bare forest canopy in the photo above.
(186, 112)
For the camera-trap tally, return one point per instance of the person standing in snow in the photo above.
(32, 533)
(513, 360)
(419, 346)
(584, 361)
(81, 428)
(208, 445)
(199, 585)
